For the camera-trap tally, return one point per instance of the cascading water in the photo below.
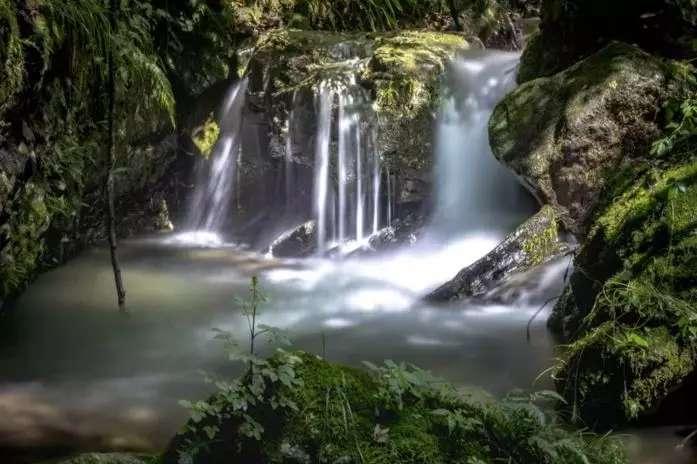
(347, 166)
(473, 192)
(213, 198)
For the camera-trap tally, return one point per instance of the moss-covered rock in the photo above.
(386, 415)
(535, 242)
(206, 136)
(398, 73)
(563, 134)
(404, 73)
(631, 305)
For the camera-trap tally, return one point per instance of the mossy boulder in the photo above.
(563, 134)
(390, 414)
(404, 74)
(630, 309)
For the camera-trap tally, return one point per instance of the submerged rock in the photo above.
(534, 243)
(298, 242)
(563, 134)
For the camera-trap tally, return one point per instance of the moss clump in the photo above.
(406, 67)
(11, 55)
(631, 305)
(206, 136)
(405, 72)
(390, 414)
(540, 246)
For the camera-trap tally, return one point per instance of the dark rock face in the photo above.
(562, 134)
(533, 243)
(574, 29)
(629, 308)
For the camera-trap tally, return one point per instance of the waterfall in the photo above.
(347, 165)
(214, 197)
(473, 192)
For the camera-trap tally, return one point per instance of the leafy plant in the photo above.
(259, 385)
(680, 112)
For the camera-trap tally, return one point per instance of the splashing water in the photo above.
(473, 192)
(347, 178)
(213, 199)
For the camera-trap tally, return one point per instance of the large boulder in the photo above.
(562, 134)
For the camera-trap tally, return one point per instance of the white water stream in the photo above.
(347, 178)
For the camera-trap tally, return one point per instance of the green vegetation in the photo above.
(631, 309)
(297, 407)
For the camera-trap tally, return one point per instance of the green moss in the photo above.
(11, 55)
(206, 137)
(636, 341)
(540, 246)
(412, 62)
(399, 414)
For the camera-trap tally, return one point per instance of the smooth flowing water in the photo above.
(347, 177)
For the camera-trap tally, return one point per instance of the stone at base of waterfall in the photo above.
(405, 232)
(298, 242)
(535, 242)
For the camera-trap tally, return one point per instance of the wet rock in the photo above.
(563, 134)
(399, 72)
(535, 242)
(296, 243)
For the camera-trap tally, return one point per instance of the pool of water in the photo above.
(77, 375)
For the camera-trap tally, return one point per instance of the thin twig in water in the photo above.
(537, 313)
